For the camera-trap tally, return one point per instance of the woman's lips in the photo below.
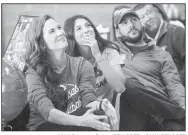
(89, 35)
(62, 39)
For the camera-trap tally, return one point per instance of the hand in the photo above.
(109, 111)
(92, 43)
(93, 121)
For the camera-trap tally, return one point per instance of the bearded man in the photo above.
(154, 91)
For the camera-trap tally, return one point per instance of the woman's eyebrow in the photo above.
(50, 30)
(77, 26)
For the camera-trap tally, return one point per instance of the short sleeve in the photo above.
(113, 57)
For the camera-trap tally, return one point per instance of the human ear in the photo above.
(117, 33)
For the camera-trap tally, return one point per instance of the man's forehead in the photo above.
(145, 8)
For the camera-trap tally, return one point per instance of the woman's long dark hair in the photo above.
(38, 54)
(72, 49)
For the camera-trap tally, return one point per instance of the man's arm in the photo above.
(171, 80)
(178, 43)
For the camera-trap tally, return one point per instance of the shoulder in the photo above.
(113, 56)
(33, 78)
(174, 29)
(177, 35)
(160, 53)
(32, 74)
(31, 71)
(177, 23)
(110, 51)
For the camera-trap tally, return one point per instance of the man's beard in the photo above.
(133, 39)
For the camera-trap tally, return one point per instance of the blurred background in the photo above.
(100, 14)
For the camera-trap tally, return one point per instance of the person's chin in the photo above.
(134, 39)
(135, 36)
(63, 46)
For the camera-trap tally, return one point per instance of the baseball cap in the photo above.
(119, 13)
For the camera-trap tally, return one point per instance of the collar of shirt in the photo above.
(147, 46)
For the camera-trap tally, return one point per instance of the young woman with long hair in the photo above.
(60, 87)
(84, 40)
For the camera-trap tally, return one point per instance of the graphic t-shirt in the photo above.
(75, 89)
(103, 89)
(67, 98)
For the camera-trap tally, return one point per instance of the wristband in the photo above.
(100, 105)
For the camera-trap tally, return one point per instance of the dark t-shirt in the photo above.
(75, 89)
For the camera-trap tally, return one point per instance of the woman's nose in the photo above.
(86, 30)
(60, 32)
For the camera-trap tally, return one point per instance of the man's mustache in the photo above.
(133, 29)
